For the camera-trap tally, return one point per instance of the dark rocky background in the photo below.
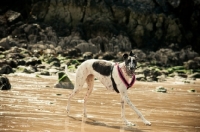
(107, 24)
(162, 33)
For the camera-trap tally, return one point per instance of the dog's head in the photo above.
(130, 62)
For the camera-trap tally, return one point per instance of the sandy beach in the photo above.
(34, 105)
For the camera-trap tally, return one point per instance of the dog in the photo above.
(114, 76)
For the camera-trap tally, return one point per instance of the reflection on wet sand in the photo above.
(97, 126)
(34, 105)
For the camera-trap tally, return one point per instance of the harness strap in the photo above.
(128, 85)
(113, 81)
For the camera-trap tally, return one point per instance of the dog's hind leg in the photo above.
(125, 97)
(74, 92)
(90, 83)
(77, 87)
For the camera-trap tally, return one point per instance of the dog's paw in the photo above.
(67, 109)
(147, 123)
(128, 123)
(84, 115)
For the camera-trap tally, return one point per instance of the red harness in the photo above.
(128, 85)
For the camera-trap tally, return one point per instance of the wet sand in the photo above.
(34, 105)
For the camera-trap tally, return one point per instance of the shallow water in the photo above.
(34, 105)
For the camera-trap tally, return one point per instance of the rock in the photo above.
(186, 81)
(139, 32)
(7, 43)
(6, 69)
(105, 28)
(15, 56)
(108, 56)
(32, 29)
(46, 73)
(140, 77)
(195, 75)
(12, 62)
(53, 71)
(25, 69)
(86, 47)
(4, 83)
(100, 43)
(161, 89)
(41, 66)
(141, 56)
(191, 64)
(63, 81)
(187, 54)
(150, 79)
(197, 59)
(174, 3)
(33, 61)
(155, 73)
(147, 72)
(3, 62)
(12, 16)
(21, 62)
(172, 75)
(3, 27)
(192, 90)
(183, 75)
(87, 55)
(72, 62)
(161, 78)
(110, 25)
(73, 52)
(55, 63)
(166, 57)
(52, 59)
(2, 48)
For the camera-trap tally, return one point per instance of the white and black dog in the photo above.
(114, 76)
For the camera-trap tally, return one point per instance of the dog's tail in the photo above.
(71, 75)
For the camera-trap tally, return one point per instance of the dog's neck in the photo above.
(123, 68)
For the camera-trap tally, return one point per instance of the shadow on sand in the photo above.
(93, 122)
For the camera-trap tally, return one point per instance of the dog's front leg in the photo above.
(126, 98)
(123, 114)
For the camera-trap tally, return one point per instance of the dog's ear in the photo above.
(125, 56)
(131, 54)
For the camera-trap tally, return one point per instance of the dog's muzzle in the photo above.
(130, 70)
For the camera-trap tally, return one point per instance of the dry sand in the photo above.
(34, 105)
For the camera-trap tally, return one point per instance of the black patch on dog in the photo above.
(102, 67)
(113, 81)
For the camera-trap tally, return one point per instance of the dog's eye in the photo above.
(128, 61)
